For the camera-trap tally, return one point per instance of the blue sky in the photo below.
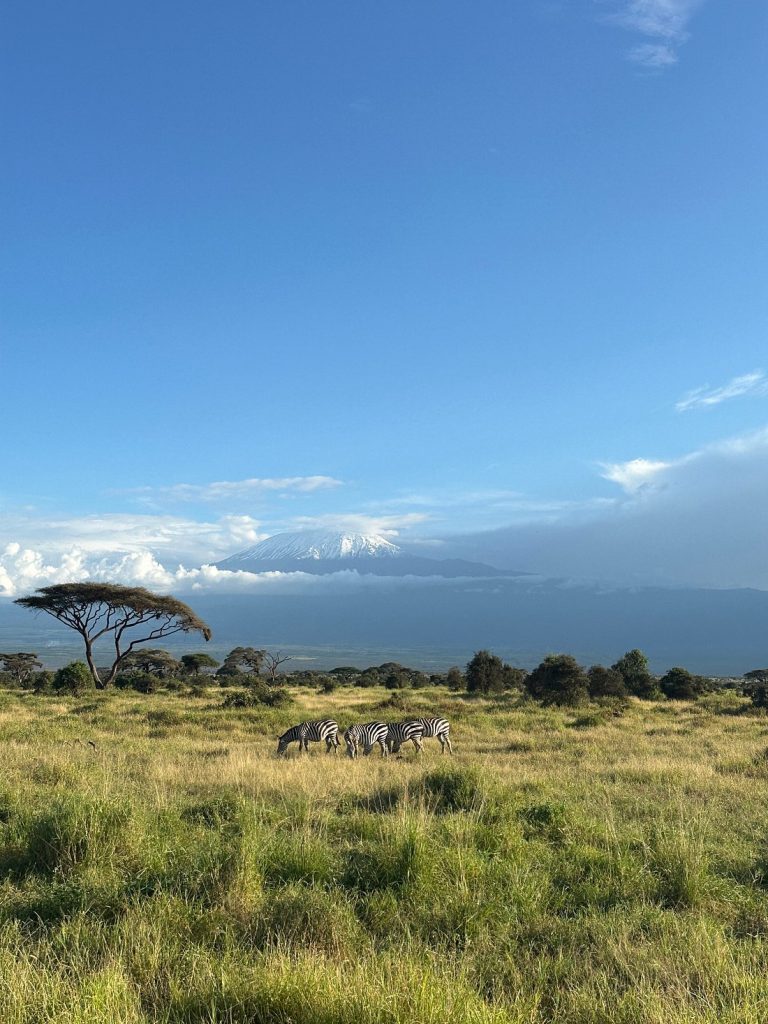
(431, 268)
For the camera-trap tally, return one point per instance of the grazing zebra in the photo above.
(439, 727)
(326, 730)
(400, 732)
(366, 735)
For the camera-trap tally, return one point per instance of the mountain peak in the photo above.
(317, 545)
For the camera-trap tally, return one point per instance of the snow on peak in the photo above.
(320, 545)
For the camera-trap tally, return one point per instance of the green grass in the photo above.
(578, 867)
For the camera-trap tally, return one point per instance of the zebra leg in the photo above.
(383, 746)
(446, 741)
(418, 744)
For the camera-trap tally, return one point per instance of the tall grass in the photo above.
(176, 871)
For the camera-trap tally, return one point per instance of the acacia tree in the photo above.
(152, 661)
(241, 661)
(20, 665)
(193, 664)
(132, 615)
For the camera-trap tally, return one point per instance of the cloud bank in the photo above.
(696, 520)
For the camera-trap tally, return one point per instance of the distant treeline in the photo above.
(557, 680)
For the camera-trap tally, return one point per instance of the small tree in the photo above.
(131, 615)
(485, 673)
(397, 679)
(273, 663)
(369, 677)
(756, 687)
(454, 679)
(605, 682)
(680, 684)
(42, 682)
(20, 666)
(74, 678)
(345, 674)
(559, 679)
(633, 667)
(152, 662)
(513, 678)
(242, 661)
(195, 664)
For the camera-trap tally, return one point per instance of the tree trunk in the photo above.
(92, 665)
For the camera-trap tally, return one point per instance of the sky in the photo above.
(488, 279)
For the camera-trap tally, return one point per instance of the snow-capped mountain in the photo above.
(320, 551)
(318, 545)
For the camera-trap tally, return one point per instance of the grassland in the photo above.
(566, 866)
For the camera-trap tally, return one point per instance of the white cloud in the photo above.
(663, 23)
(23, 570)
(175, 537)
(755, 384)
(223, 490)
(635, 474)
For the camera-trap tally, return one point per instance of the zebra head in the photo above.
(350, 740)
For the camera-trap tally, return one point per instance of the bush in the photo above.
(558, 680)
(756, 687)
(485, 673)
(42, 682)
(633, 668)
(258, 697)
(454, 679)
(74, 678)
(605, 682)
(680, 684)
(141, 682)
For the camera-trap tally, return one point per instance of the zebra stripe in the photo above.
(365, 736)
(312, 732)
(400, 732)
(439, 728)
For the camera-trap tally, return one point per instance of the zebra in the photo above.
(439, 727)
(400, 732)
(366, 735)
(326, 730)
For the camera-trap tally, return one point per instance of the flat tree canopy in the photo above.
(98, 609)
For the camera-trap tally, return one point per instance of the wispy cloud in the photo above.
(223, 490)
(754, 384)
(361, 522)
(662, 23)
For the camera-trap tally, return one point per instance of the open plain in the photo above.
(158, 863)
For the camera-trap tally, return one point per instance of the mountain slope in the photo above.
(320, 552)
